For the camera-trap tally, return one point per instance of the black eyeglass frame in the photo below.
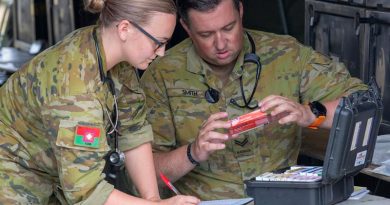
(155, 40)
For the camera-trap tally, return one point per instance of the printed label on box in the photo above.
(248, 121)
(360, 158)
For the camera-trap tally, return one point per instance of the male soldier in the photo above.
(60, 110)
(203, 81)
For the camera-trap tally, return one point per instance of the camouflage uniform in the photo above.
(175, 85)
(40, 107)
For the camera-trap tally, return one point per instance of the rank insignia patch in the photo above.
(87, 136)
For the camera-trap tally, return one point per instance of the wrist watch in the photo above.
(319, 110)
(189, 156)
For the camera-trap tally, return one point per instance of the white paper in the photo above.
(358, 195)
(227, 202)
(10, 67)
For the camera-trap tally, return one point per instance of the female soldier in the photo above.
(56, 108)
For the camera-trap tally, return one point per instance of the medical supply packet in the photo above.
(248, 122)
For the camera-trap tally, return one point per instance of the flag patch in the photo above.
(87, 136)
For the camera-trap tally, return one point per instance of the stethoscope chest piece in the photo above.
(116, 158)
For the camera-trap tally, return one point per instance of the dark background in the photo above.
(258, 14)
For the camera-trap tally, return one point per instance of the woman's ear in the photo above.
(123, 29)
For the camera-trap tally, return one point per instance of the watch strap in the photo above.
(317, 122)
(189, 156)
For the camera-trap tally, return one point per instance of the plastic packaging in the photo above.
(248, 121)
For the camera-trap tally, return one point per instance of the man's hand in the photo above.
(287, 111)
(209, 140)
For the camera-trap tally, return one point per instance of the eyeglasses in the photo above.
(158, 43)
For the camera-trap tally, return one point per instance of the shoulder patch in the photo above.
(87, 136)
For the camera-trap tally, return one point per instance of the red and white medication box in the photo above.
(248, 121)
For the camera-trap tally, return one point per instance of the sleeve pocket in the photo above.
(67, 133)
(80, 168)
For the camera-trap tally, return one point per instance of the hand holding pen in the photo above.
(185, 200)
(169, 184)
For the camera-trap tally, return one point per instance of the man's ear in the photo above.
(123, 29)
(185, 26)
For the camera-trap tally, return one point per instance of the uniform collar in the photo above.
(101, 48)
(126, 75)
(196, 65)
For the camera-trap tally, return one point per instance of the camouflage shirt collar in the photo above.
(101, 48)
(237, 71)
(195, 64)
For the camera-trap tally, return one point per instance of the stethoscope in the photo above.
(212, 95)
(115, 157)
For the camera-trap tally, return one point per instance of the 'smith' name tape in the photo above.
(248, 121)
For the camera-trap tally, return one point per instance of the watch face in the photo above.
(317, 108)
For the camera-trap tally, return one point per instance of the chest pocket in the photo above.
(189, 109)
(77, 161)
(185, 100)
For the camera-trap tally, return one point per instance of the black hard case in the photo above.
(357, 33)
(377, 4)
(357, 118)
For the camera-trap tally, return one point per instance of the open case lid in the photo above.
(353, 135)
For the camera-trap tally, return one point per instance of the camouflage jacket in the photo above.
(44, 101)
(175, 88)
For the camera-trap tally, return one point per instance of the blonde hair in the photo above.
(137, 11)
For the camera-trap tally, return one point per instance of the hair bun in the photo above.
(94, 6)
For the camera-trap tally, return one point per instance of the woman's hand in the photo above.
(180, 200)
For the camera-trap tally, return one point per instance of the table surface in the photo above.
(368, 171)
(366, 200)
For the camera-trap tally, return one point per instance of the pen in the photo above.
(169, 184)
